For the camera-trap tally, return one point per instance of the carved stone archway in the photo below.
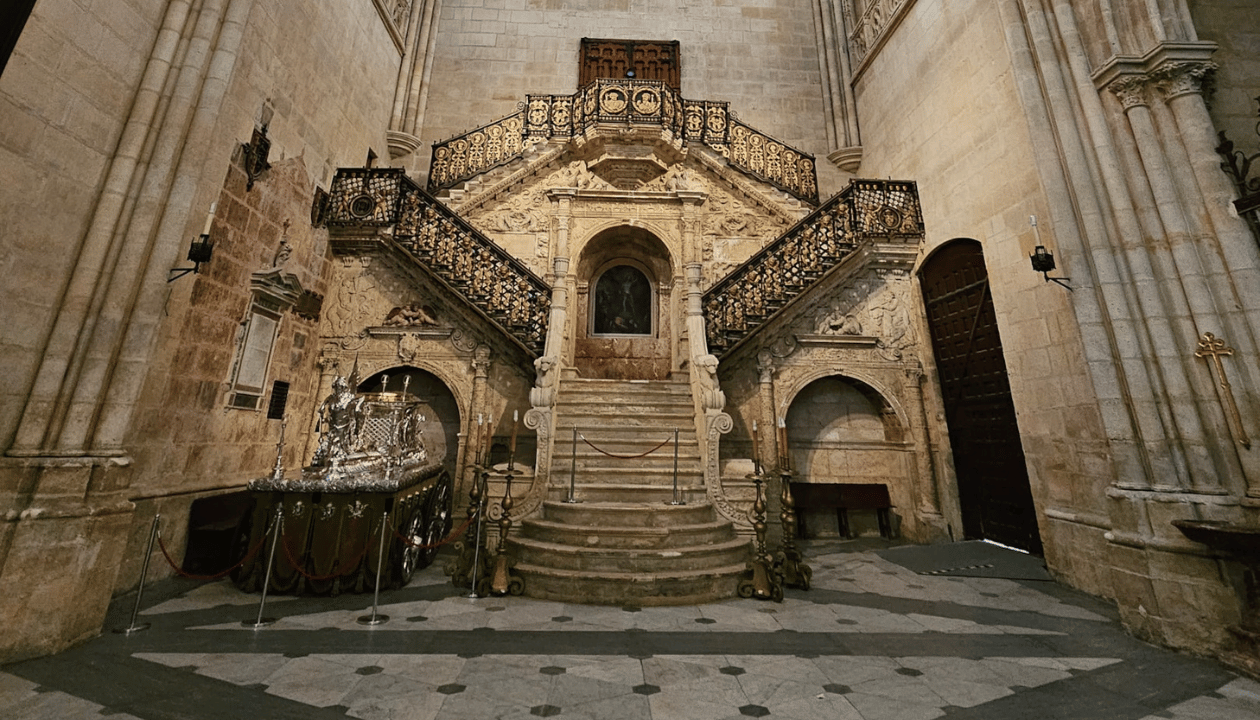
(645, 351)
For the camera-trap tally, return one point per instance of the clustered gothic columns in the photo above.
(1210, 252)
(411, 91)
(68, 461)
(1160, 259)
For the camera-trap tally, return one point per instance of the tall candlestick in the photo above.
(210, 218)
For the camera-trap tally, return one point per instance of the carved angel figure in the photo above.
(411, 315)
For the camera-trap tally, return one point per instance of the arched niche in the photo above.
(437, 403)
(841, 430)
(623, 324)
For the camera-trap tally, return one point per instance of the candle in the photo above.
(512, 447)
(476, 439)
(756, 451)
(210, 218)
(784, 455)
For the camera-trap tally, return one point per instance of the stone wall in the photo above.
(760, 56)
(1234, 25)
(939, 103)
(63, 101)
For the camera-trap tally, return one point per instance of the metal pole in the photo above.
(375, 619)
(481, 514)
(276, 527)
(573, 469)
(676, 501)
(144, 573)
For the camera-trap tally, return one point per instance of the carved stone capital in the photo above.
(1175, 79)
(1131, 89)
(481, 362)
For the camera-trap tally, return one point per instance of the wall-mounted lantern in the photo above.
(1042, 259)
(200, 251)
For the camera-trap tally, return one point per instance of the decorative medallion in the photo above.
(613, 101)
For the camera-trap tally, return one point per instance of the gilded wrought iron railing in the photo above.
(865, 211)
(486, 275)
(639, 102)
(767, 159)
(476, 151)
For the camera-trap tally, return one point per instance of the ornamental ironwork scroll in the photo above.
(631, 102)
(865, 211)
(486, 275)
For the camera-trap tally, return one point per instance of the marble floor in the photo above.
(964, 631)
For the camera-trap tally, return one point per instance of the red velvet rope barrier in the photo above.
(625, 457)
(449, 538)
(216, 576)
(319, 578)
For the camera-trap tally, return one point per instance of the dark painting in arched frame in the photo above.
(622, 302)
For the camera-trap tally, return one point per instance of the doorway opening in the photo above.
(993, 488)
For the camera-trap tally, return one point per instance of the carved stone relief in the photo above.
(875, 306)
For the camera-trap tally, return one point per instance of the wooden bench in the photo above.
(843, 497)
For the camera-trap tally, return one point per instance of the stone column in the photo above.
(1183, 92)
(1132, 91)
(929, 493)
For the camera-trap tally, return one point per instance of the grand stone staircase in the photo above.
(623, 542)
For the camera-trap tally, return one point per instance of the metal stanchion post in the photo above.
(481, 514)
(375, 619)
(144, 573)
(573, 469)
(676, 501)
(277, 527)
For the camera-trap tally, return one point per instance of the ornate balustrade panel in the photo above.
(486, 275)
(865, 211)
(876, 21)
(637, 102)
(477, 151)
(767, 159)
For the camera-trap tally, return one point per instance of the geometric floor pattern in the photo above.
(884, 634)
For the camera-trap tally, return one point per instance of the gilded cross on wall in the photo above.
(1213, 347)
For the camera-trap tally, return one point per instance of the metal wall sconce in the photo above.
(1238, 164)
(256, 151)
(1042, 259)
(199, 251)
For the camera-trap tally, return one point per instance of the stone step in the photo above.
(693, 587)
(620, 492)
(618, 537)
(587, 415)
(615, 514)
(660, 561)
(631, 437)
(661, 461)
(603, 474)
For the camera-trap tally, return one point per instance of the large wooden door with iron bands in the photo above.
(993, 484)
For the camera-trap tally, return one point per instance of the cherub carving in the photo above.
(408, 315)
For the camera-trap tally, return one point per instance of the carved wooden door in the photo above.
(647, 60)
(993, 484)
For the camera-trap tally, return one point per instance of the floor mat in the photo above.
(972, 558)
